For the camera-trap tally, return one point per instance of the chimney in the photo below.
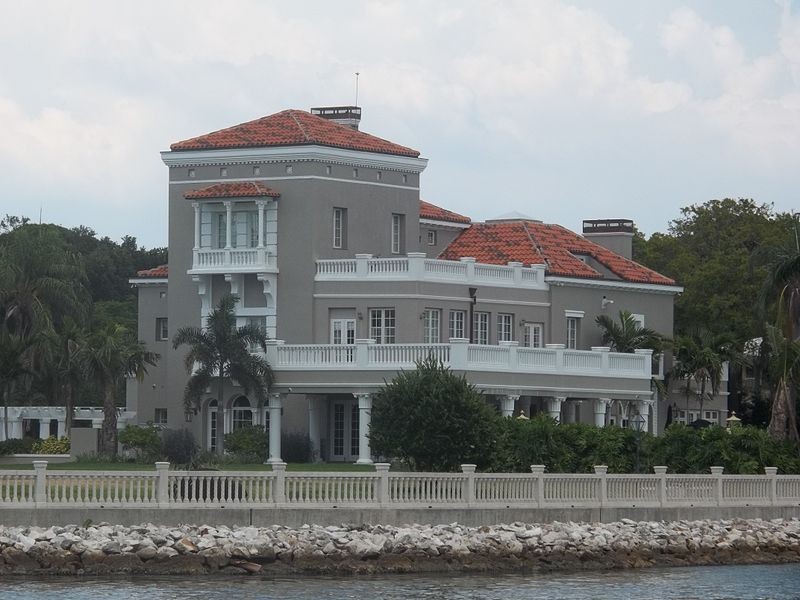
(343, 115)
(614, 234)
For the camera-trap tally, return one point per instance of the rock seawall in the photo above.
(191, 550)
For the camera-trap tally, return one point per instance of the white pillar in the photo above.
(644, 410)
(275, 410)
(44, 428)
(260, 204)
(196, 206)
(15, 428)
(61, 428)
(228, 223)
(314, 419)
(364, 415)
(600, 408)
(507, 405)
(554, 407)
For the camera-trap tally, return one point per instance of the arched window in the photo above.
(242, 413)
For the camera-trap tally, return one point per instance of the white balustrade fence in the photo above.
(208, 489)
(232, 259)
(460, 355)
(417, 267)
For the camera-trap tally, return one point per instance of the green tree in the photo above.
(784, 372)
(61, 358)
(699, 361)
(221, 351)
(627, 334)
(433, 419)
(15, 352)
(112, 355)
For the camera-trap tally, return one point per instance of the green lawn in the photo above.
(124, 466)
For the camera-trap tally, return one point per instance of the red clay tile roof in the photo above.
(530, 242)
(292, 128)
(435, 213)
(159, 271)
(232, 189)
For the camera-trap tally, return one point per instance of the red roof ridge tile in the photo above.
(299, 125)
(232, 189)
(433, 212)
(155, 272)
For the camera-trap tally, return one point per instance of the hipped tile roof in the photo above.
(436, 213)
(292, 128)
(232, 189)
(532, 242)
(159, 271)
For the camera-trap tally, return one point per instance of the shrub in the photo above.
(248, 443)
(433, 419)
(17, 446)
(179, 447)
(52, 445)
(295, 447)
(144, 441)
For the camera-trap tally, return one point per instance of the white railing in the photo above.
(461, 355)
(416, 267)
(214, 260)
(203, 489)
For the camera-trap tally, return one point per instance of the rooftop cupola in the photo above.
(344, 115)
(614, 234)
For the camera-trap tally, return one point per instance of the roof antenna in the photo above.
(357, 74)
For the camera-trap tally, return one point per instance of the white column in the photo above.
(507, 405)
(314, 419)
(644, 410)
(600, 408)
(260, 204)
(61, 428)
(554, 407)
(44, 428)
(275, 410)
(364, 415)
(196, 206)
(228, 223)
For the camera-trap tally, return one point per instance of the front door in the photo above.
(533, 335)
(344, 430)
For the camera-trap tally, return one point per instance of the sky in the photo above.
(561, 110)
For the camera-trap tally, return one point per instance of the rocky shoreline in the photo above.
(205, 550)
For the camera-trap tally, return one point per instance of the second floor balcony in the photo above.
(232, 260)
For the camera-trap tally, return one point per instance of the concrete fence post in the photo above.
(416, 265)
(362, 265)
(40, 489)
(772, 473)
(468, 489)
(538, 472)
(717, 473)
(162, 484)
(279, 482)
(661, 471)
(602, 472)
(383, 483)
(459, 352)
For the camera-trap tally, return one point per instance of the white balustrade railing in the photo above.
(163, 488)
(458, 354)
(416, 267)
(232, 259)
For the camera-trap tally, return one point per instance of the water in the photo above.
(774, 582)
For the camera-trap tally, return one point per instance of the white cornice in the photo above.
(289, 177)
(437, 223)
(146, 281)
(606, 284)
(282, 154)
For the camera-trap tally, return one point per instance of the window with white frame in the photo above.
(160, 416)
(534, 335)
(339, 227)
(343, 331)
(397, 233)
(480, 328)
(431, 322)
(711, 415)
(431, 237)
(573, 324)
(245, 229)
(162, 329)
(505, 327)
(382, 325)
(458, 319)
(242, 413)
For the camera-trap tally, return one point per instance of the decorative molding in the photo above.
(575, 314)
(147, 281)
(614, 285)
(298, 177)
(282, 154)
(431, 297)
(445, 224)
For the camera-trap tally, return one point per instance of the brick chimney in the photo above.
(344, 115)
(614, 234)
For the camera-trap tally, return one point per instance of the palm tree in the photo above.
(784, 369)
(700, 357)
(14, 364)
(40, 281)
(628, 335)
(62, 359)
(112, 355)
(220, 351)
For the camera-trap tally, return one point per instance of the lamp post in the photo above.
(638, 425)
